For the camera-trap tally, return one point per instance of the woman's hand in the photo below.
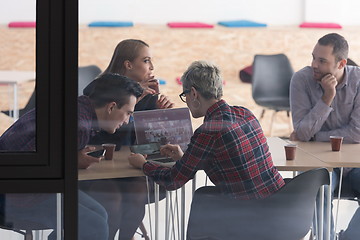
(172, 150)
(150, 85)
(164, 102)
(137, 160)
(84, 160)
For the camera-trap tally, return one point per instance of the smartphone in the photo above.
(148, 148)
(97, 153)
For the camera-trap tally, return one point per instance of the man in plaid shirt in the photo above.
(229, 146)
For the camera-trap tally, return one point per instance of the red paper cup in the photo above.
(110, 148)
(290, 151)
(336, 142)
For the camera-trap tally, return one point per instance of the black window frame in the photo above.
(52, 168)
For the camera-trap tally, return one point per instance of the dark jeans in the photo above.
(352, 181)
(92, 216)
(124, 200)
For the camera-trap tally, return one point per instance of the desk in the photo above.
(348, 156)
(13, 78)
(119, 167)
(303, 161)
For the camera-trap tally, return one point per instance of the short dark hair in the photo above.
(339, 44)
(112, 87)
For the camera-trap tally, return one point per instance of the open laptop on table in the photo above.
(161, 126)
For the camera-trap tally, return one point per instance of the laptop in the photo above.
(163, 126)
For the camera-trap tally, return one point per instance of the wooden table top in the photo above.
(348, 156)
(119, 167)
(303, 160)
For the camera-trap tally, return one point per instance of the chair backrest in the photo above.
(86, 75)
(271, 81)
(285, 215)
(21, 226)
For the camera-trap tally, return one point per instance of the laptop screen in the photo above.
(164, 126)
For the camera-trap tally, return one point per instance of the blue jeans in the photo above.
(92, 217)
(352, 179)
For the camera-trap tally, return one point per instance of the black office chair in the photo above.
(271, 83)
(286, 215)
(20, 226)
(86, 75)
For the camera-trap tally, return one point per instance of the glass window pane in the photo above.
(38, 213)
(17, 67)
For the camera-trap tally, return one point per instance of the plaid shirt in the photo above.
(231, 148)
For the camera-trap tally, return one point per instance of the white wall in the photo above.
(211, 11)
(345, 12)
(275, 12)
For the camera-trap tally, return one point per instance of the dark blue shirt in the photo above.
(21, 136)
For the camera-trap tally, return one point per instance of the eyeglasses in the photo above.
(183, 95)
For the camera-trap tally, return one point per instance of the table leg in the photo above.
(327, 217)
(16, 110)
(156, 187)
(193, 185)
(167, 217)
(59, 216)
(321, 217)
(183, 212)
(338, 197)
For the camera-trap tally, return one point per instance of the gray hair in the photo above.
(205, 78)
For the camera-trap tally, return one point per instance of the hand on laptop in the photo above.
(137, 160)
(171, 150)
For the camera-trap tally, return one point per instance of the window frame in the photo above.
(52, 168)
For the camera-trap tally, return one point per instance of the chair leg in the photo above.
(272, 121)
(143, 231)
(28, 235)
(262, 114)
(290, 122)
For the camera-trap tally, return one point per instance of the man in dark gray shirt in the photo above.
(325, 101)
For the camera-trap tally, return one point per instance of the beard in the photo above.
(319, 75)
